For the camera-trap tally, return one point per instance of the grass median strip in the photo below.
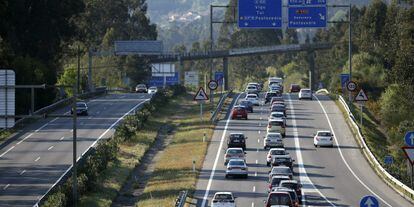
(174, 172)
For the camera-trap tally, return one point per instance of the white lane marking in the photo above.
(37, 159)
(93, 144)
(258, 140)
(51, 147)
(22, 172)
(257, 161)
(255, 174)
(5, 187)
(210, 180)
(62, 138)
(7, 151)
(342, 156)
(24, 138)
(303, 176)
(259, 132)
(261, 118)
(252, 204)
(254, 188)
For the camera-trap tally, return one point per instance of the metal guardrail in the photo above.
(407, 192)
(182, 197)
(219, 106)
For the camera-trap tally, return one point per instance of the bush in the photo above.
(57, 199)
(396, 105)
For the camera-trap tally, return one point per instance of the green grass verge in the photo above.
(5, 134)
(114, 177)
(173, 172)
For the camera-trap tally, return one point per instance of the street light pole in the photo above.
(350, 48)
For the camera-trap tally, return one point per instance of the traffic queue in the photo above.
(283, 188)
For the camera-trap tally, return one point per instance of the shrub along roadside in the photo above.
(102, 172)
(173, 171)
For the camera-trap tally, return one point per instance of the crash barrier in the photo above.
(219, 106)
(400, 187)
(182, 197)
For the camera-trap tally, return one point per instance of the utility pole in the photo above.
(211, 50)
(74, 115)
(350, 48)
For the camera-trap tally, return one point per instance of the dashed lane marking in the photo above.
(5, 187)
(22, 172)
(37, 159)
(51, 147)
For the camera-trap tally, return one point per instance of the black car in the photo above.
(236, 140)
(248, 105)
(279, 108)
(269, 96)
(284, 160)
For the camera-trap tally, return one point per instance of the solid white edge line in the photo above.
(5, 187)
(342, 156)
(302, 175)
(7, 151)
(210, 180)
(93, 144)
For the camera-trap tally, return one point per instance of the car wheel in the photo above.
(227, 176)
(315, 145)
(86, 113)
(268, 164)
(246, 176)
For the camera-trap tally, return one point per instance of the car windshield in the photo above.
(236, 162)
(324, 134)
(251, 87)
(251, 96)
(223, 197)
(279, 199)
(277, 115)
(234, 151)
(277, 152)
(83, 105)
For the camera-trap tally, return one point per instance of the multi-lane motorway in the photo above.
(32, 163)
(338, 176)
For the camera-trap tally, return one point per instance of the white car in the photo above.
(251, 89)
(277, 115)
(276, 125)
(237, 167)
(273, 140)
(273, 153)
(253, 98)
(152, 90)
(305, 93)
(223, 199)
(323, 138)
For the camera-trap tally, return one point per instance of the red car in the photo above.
(279, 199)
(294, 88)
(239, 112)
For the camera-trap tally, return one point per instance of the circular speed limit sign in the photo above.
(212, 85)
(351, 86)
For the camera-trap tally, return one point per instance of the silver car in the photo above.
(234, 153)
(280, 170)
(81, 109)
(273, 140)
(237, 167)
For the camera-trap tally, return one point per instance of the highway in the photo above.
(338, 176)
(31, 164)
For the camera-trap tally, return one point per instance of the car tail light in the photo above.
(229, 168)
(227, 155)
(270, 186)
(330, 139)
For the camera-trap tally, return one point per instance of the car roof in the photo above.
(229, 193)
(279, 192)
(281, 166)
(290, 181)
(276, 119)
(280, 176)
(237, 133)
(235, 148)
(283, 189)
(323, 131)
(237, 159)
(276, 149)
(273, 133)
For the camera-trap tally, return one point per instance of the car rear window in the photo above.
(276, 123)
(236, 162)
(234, 151)
(289, 185)
(277, 152)
(276, 180)
(324, 134)
(223, 197)
(306, 91)
(80, 105)
(282, 170)
(279, 199)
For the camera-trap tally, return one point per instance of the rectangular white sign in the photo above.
(191, 78)
(7, 98)
(163, 69)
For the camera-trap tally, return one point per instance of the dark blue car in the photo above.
(248, 105)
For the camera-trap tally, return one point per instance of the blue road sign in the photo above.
(159, 81)
(219, 77)
(260, 14)
(369, 201)
(307, 2)
(344, 80)
(308, 17)
(388, 160)
(409, 139)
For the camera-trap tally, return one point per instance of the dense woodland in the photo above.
(40, 41)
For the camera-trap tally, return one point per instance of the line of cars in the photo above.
(142, 88)
(283, 189)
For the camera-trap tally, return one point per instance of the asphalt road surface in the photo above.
(33, 163)
(338, 176)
